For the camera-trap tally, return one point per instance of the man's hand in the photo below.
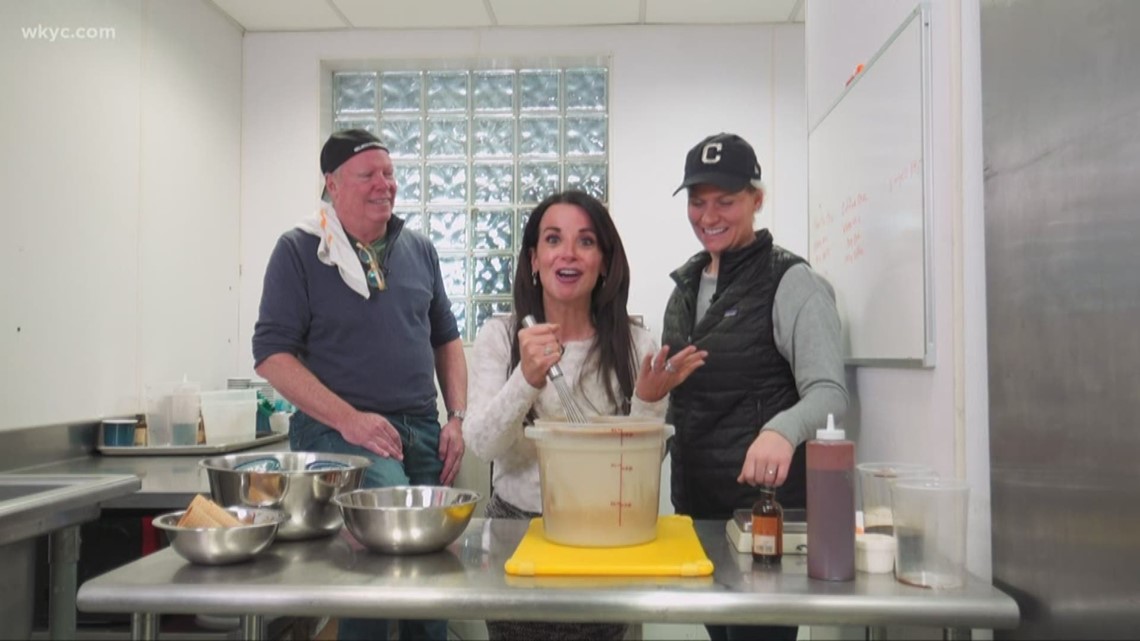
(450, 450)
(375, 434)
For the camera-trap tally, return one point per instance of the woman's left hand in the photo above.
(767, 460)
(660, 374)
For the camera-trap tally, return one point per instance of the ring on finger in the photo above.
(547, 350)
(669, 367)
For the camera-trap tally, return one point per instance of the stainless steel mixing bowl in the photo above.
(407, 519)
(222, 545)
(299, 484)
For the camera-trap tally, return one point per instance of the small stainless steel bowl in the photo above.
(222, 545)
(407, 519)
(299, 484)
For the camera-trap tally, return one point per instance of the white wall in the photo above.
(937, 416)
(121, 177)
(668, 89)
(190, 193)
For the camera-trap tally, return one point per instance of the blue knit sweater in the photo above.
(376, 354)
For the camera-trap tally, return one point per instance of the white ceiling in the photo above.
(315, 15)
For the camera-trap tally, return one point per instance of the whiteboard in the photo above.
(869, 203)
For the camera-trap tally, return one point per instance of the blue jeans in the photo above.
(421, 466)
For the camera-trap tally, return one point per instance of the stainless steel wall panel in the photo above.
(1061, 108)
(31, 446)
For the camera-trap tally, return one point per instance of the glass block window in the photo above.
(475, 150)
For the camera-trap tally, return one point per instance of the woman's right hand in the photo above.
(660, 373)
(539, 350)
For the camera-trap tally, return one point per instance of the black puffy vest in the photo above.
(719, 410)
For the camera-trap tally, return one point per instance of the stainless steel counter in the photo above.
(336, 577)
(32, 505)
(168, 482)
(51, 481)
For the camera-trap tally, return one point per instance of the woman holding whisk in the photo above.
(573, 277)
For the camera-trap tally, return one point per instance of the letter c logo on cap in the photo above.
(710, 155)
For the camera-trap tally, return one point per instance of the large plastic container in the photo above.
(930, 518)
(185, 411)
(159, 427)
(229, 416)
(875, 480)
(831, 505)
(601, 482)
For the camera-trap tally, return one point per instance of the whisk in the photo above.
(573, 412)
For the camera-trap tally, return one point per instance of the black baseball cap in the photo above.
(724, 160)
(345, 144)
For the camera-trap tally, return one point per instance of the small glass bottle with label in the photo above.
(767, 528)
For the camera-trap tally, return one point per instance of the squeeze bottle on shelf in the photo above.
(831, 505)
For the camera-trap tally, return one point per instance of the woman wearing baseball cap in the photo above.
(774, 369)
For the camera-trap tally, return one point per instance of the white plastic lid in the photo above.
(830, 434)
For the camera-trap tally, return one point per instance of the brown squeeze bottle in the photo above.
(767, 528)
(831, 505)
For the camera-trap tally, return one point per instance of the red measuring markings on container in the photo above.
(621, 504)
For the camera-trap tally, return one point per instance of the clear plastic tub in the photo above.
(184, 414)
(229, 416)
(875, 480)
(159, 427)
(601, 482)
(930, 517)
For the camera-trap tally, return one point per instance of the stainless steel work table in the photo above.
(334, 576)
(143, 482)
(168, 482)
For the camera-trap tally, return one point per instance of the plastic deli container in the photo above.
(601, 482)
(185, 411)
(875, 480)
(930, 530)
(159, 428)
(229, 416)
(874, 553)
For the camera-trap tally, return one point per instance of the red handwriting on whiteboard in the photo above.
(899, 178)
(822, 220)
(853, 240)
(854, 255)
(821, 249)
(853, 202)
(821, 223)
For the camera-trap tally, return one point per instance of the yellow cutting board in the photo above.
(675, 552)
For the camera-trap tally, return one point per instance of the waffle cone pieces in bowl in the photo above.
(208, 534)
(204, 513)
